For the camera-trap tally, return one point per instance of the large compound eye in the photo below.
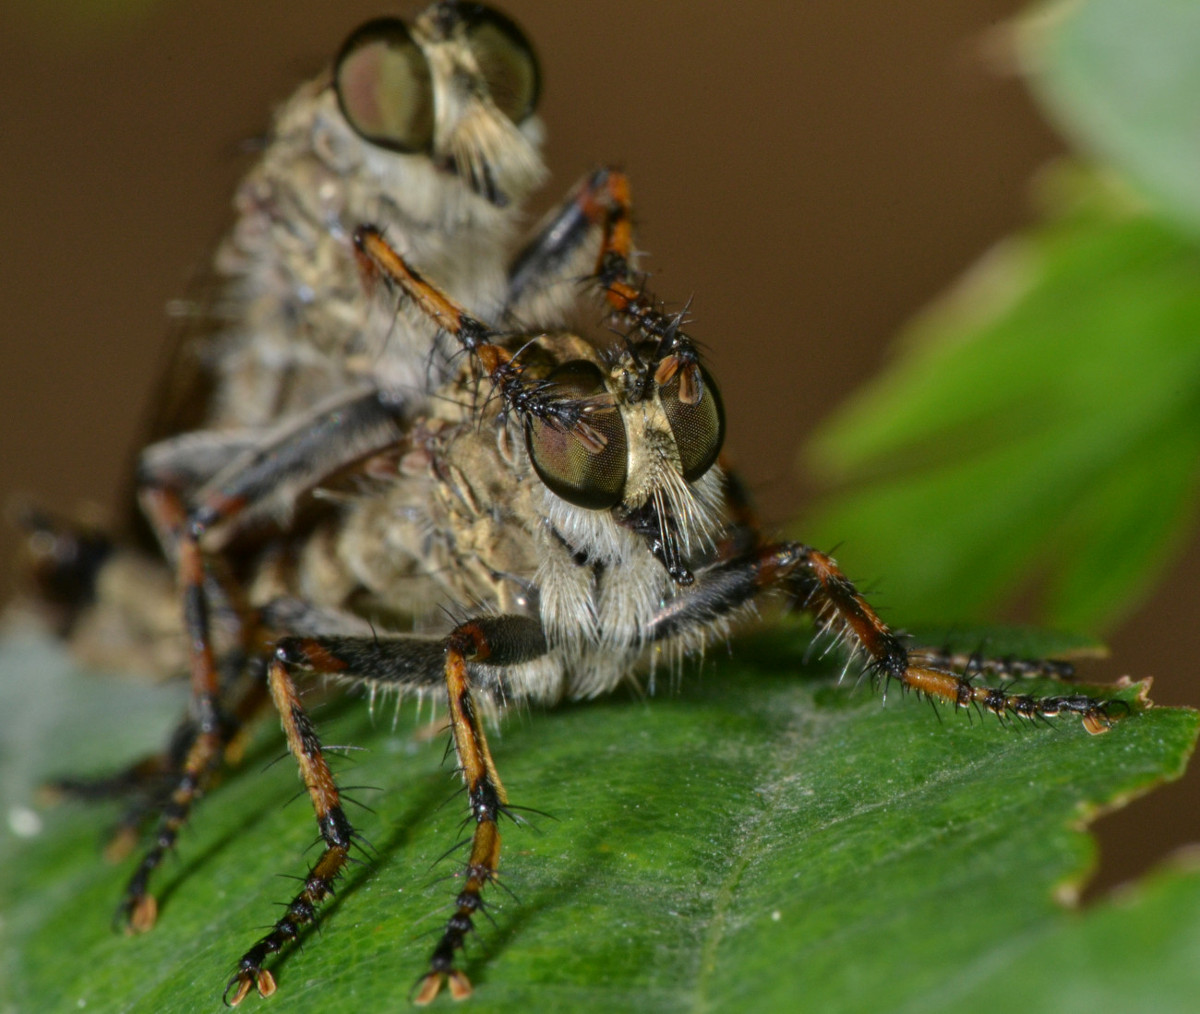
(384, 87)
(586, 464)
(698, 423)
(506, 60)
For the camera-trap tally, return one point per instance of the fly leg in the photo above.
(277, 469)
(588, 238)
(144, 785)
(337, 834)
(138, 908)
(544, 277)
(411, 663)
(497, 641)
(150, 782)
(979, 663)
(815, 585)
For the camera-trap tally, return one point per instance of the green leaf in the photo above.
(1043, 418)
(1121, 76)
(763, 839)
(1161, 915)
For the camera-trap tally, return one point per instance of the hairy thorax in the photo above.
(455, 521)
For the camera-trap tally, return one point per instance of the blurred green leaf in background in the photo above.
(1122, 78)
(1040, 425)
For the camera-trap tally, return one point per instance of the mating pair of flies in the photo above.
(385, 419)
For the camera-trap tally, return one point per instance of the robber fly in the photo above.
(398, 428)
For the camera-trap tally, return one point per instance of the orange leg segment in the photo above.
(487, 800)
(336, 833)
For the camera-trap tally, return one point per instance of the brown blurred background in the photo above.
(811, 173)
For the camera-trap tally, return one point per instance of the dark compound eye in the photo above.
(384, 87)
(697, 418)
(506, 60)
(586, 463)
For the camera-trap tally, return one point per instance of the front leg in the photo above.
(544, 277)
(498, 641)
(407, 663)
(815, 585)
(588, 239)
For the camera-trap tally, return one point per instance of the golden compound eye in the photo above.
(585, 464)
(384, 87)
(697, 418)
(506, 60)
